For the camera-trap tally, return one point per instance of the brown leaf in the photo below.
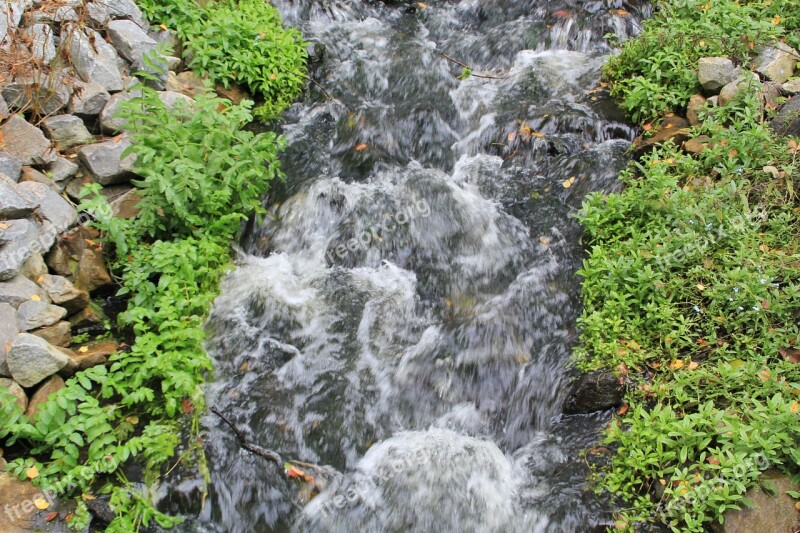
(361, 147)
(49, 517)
(623, 409)
(791, 355)
(187, 406)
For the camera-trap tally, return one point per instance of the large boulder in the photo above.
(51, 386)
(93, 58)
(715, 72)
(12, 203)
(62, 292)
(595, 391)
(20, 235)
(20, 289)
(66, 131)
(88, 99)
(130, 40)
(26, 143)
(33, 315)
(776, 62)
(44, 95)
(31, 360)
(51, 205)
(92, 273)
(103, 161)
(59, 334)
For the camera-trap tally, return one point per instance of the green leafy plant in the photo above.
(201, 176)
(242, 42)
(690, 292)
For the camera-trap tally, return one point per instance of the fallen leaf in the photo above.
(361, 147)
(623, 369)
(41, 503)
(647, 127)
(562, 13)
(795, 406)
(700, 287)
(83, 349)
(422, 5)
(293, 472)
(623, 409)
(791, 355)
(765, 304)
(568, 182)
(87, 497)
(544, 240)
(49, 517)
(32, 472)
(244, 367)
(187, 406)
(693, 365)
(676, 364)
(512, 136)
(133, 420)
(776, 20)
(764, 374)
(712, 460)
(620, 12)
(36, 298)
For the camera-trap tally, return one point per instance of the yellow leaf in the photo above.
(776, 20)
(133, 419)
(32, 472)
(41, 503)
(795, 406)
(537, 134)
(568, 183)
(36, 298)
(693, 365)
(422, 5)
(83, 349)
(736, 363)
(87, 497)
(544, 241)
(676, 364)
(701, 287)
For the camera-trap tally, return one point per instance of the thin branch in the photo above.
(258, 450)
(472, 70)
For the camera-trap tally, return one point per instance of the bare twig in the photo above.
(472, 70)
(258, 450)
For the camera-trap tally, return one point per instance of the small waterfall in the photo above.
(406, 312)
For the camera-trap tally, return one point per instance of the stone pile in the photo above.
(771, 75)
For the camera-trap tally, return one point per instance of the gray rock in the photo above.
(787, 121)
(169, 40)
(110, 123)
(12, 203)
(98, 14)
(32, 315)
(20, 235)
(103, 161)
(10, 166)
(595, 391)
(4, 111)
(93, 58)
(715, 72)
(61, 170)
(65, 14)
(171, 99)
(20, 289)
(42, 42)
(776, 62)
(88, 99)
(791, 86)
(26, 143)
(124, 9)
(92, 273)
(31, 360)
(173, 63)
(31, 174)
(14, 389)
(62, 292)
(158, 69)
(8, 332)
(66, 131)
(10, 15)
(51, 205)
(43, 95)
(130, 39)
(746, 82)
(34, 267)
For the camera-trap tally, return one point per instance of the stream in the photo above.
(406, 312)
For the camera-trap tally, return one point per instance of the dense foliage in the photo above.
(655, 73)
(692, 282)
(238, 41)
(202, 175)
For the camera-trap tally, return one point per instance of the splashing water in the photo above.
(406, 313)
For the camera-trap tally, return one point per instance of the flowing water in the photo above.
(406, 313)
